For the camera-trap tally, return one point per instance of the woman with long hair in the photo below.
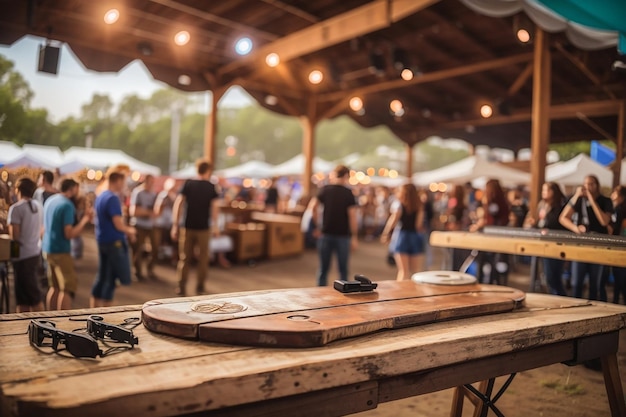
(494, 211)
(547, 217)
(409, 246)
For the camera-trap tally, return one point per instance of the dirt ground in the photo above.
(553, 391)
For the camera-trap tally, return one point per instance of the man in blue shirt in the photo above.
(59, 228)
(111, 236)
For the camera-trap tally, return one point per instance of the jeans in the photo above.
(114, 265)
(326, 245)
(619, 274)
(579, 271)
(553, 270)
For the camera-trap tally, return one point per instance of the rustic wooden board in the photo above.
(316, 316)
(567, 250)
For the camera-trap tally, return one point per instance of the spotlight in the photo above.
(182, 38)
(111, 16)
(356, 104)
(522, 28)
(395, 106)
(406, 74)
(486, 111)
(619, 65)
(272, 59)
(400, 60)
(316, 77)
(377, 63)
(184, 79)
(271, 100)
(145, 48)
(243, 46)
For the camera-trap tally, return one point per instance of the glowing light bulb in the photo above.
(182, 38)
(111, 16)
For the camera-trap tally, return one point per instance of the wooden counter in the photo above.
(165, 376)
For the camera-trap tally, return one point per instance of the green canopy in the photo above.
(599, 14)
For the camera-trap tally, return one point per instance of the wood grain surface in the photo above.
(571, 251)
(316, 316)
(166, 376)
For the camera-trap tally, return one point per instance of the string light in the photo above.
(243, 46)
(486, 111)
(182, 38)
(356, 104)
(272, 59)
(111, 16)
(316, 77)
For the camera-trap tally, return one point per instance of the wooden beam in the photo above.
(432, 76)
(521, 80)
(583, 68)
(292, 10)
(209, 17)
(369, 18)
(540, 125)
(595, 126)
(556, 112)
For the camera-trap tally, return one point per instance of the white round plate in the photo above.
(443, 278)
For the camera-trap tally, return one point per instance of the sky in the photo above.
(73, 86)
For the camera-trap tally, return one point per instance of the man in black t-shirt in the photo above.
(338, 231)
(588, 211)
(202, 211)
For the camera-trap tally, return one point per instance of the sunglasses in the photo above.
(77, 344)
(97, 328)
(84, 345)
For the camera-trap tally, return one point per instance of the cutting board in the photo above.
(309, 317)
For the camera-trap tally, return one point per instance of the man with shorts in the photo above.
(25, 222)
(59, 228)
(111, 236)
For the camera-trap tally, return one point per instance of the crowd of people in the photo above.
(48, 217)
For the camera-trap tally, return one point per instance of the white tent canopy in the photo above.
(295, 166)
(30, 161)
(102, 159)
(52, 155)
(250, 169)
(9, 152)
(572, 172)
(475, 170)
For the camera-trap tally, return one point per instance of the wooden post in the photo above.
(308, 121)
(540, 123)
(619, 145)
(210, 125)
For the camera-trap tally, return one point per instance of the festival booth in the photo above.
(570, 174)
(101, 159)
(472, 169)
(295, 166)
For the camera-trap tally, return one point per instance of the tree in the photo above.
(100, 108)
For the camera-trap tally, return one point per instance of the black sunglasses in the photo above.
(77, 344)
(84, 345)
(97, 328)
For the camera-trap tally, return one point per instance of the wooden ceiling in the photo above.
(461, 60)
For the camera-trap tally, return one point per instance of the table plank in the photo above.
(167, 376)
(606, 255)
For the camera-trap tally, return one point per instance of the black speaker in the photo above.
(48, 59)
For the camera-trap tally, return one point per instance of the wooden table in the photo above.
(165, 376)
(566, 250)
